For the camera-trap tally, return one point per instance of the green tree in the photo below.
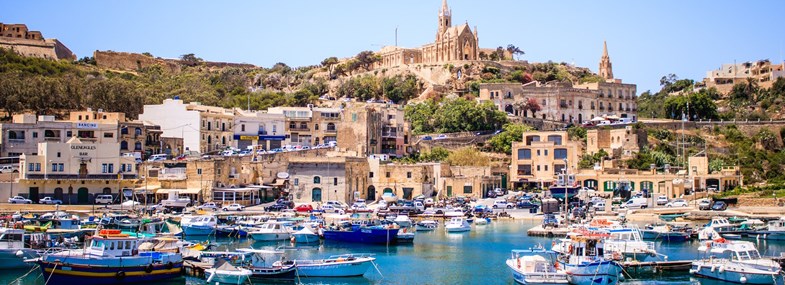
(190, 59)
(502, 142)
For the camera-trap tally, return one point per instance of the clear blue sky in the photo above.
(646, 39)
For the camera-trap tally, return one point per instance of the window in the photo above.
(223, 127)
(296, 181)
(546, 152)
(354, 117)
(387, 174)
(54, 167)
(37, 167)
(538, 152)
(35, 134)
(122, 167)
(538, 168)
(524, 170)
(409, 174)
(560, 153)
(58, 154)
(335, 180)
(138, 131)
(292, 125)
(556, 139)
(467, 189)
(546, 167)
(274, 128)
(524, 153)
(242, 127)
(316, 127)
(317, 180)
(111, 168)
(108, 135)
(199, 171)
(209, 125)
(31, 166)
(138, 146)
(303, 126)
(61, 167)
(69, 134)
(370, 174)
(104, 168)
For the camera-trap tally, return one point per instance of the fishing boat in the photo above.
(403, 221)
(586, 261)
(305, 235)
(405, 235)
(347, 232)
(774, 230)
(226, 273)
(457, 224)
(628, 242)
(129, 224)
(234, 231)
(13, 251)
(110, 258)
(346, 265)
(671, 217)
(198, 225)
(271, 231)
(665, 233)
(530, 267)
(426, 225)
(735, 261)
(265, 265)
(481, 221)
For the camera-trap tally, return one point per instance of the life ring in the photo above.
(169, 265)
(149, 268)
(119, 275)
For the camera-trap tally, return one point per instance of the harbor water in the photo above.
(475, 257)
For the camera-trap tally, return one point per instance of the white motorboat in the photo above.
(13, 251)
(405, 236)
(226, 273)
(774, 230)
(741, 263)
(198, 225)
(271, 231)
(457, 224)
(586, 261)
(481, 221)
(347, 265)
(426, 225)
(305, 235)
(528, 267)
(403, 221)
(453, 213)
(389, 197)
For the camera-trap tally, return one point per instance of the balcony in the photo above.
(306, 129)
(389, 134)
(602, 95)
(173, 174)
(563, 105)
(103, 176)
(635, 109)
(592, 107)
(628, 109)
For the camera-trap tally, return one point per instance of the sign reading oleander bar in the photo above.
(82, 147)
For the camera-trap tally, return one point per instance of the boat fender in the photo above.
(713, 268)
(722, 268)
(743, 279)
(20, 253)
(693, 271)
(120, 275)
(519, 263)
(621, 276)
(149, 268)
(555, 265)
(169, 265)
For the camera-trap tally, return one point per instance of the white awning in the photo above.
(181, 191)
(150, 188)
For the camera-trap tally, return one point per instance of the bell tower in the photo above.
(445, 19)
(606, 69)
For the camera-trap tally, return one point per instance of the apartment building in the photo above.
(763, 72)
(268, 131)
(309, 126)
(617, 142)
(23, 134)
(76, 171)
(202, 128)
(368, 129)
(321, 179)
(538, 159)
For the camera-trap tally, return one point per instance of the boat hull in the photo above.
(306, 238)
(288, 273)
(95, 275)
(270, 236)
(594, 273)
(363, 235)
(733, 275)
(233, 278)
(231, 232)
(10, 260)
(457, 229)
(198, 230)
(768, 235)
(335, 269)
(536, 278)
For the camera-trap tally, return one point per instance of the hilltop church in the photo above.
(452, 43)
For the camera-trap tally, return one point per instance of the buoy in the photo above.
(19, 253)
(743, 280)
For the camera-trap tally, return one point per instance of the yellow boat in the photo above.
(31, 228)
(199, 246)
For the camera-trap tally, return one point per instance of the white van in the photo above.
(157, 157)
(104, 199)
(636, 203)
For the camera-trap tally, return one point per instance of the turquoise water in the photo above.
(475, 257)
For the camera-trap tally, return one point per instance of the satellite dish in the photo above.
(282, 175)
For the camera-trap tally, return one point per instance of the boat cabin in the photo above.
(112, 243)
(777, 225)
(12, 239)
(738, 250)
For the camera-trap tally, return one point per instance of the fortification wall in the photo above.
(136, 61)
(37, 48)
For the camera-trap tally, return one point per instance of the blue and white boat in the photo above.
(587, 262)
(457, 224)
(347, 265)
(775, 230)
(305, 235)
(225, 273)
(272, 231)
(13, 251)
(110, 258)
(737, 262)
(530, 267)
(198, 225)
(363, 234)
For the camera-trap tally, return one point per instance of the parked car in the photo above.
(440, 137)
(9, 169)
(499, 191)
(704, 204)
(526, 204)
(427, 138)
(662, 200)
(599, 206)
(428, 202)
(491, 194)
(50, 201)
(502, 204)
(719, 206)
(245, 153)
(233, 207)
(19, 200)
(635, 203)
(713, 188)
(208, 206)
(104, 199)
(328, 208)
(482, 209)
(677, 203)
(304, 208)
(337, 204)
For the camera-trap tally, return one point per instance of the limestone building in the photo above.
(452, 43)
(540, 157)
(23, 134)
(202, 128)
(762, 72)
(368, 129)
(322, 179)
(76, 171)
(309, 126)
(564, 101)
(18, 38)
(268, 131)
(617, 142)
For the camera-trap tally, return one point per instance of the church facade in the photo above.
(452, 43)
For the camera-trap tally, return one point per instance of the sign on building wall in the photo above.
(248, 138)
(86, 125)
(83, 150)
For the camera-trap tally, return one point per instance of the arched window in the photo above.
(330, 126)
(223, 140)
(124, 145)
(138, 146)
(124, 130)
(317, 180)
(138, 131)
(316, 195)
